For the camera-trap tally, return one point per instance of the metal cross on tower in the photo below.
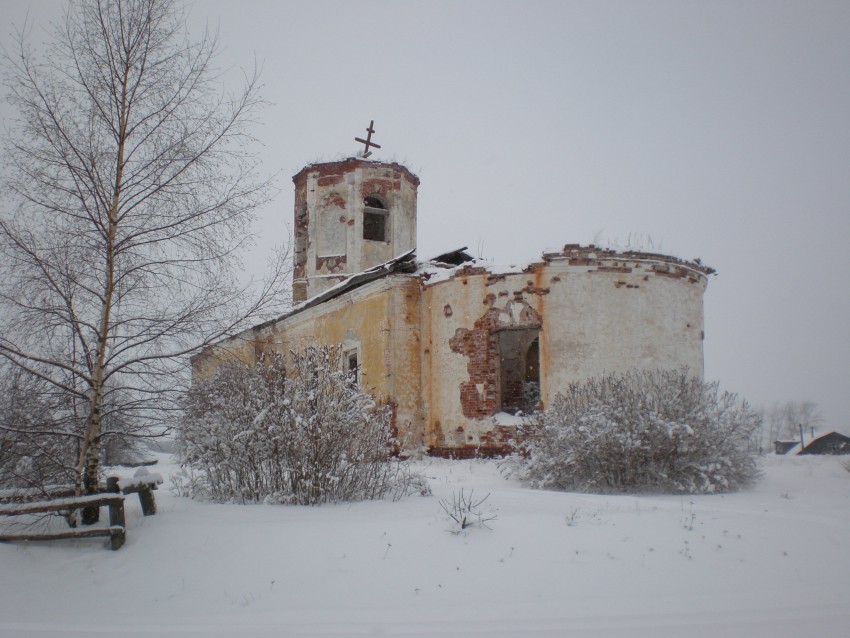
(368, 141)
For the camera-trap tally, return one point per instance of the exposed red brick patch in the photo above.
(470, 451)
(667, 271)
(531, 289)
(481, 347)
(382, 187)
(577, 255)
(331, 264)
(339, 202)
(615, 268)
(479, 396)
(500, 437)
(621, 284)
(349, 165)
(330, 180)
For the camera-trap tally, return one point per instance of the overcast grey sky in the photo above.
(718, 130)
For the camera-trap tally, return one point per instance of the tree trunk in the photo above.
(91, 515)
(91, 462)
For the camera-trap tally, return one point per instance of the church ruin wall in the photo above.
(595, 312)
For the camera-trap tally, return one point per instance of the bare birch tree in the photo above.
(132, 189)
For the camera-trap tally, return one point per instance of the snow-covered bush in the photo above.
(294, 430)
(660, 431)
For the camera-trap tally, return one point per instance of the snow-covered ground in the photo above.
(771, 561)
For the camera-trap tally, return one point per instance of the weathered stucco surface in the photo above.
(329, 219)
(596, 313)
(437, 349)
(379, 322)
(453, 348)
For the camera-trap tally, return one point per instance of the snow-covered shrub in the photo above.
(292, 430)
(660, 431)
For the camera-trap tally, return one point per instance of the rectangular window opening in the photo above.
(353, 368)
(375, 225)
(519, 371)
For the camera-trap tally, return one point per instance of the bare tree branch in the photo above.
(133, 199)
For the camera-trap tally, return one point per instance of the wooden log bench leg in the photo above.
(117, 536)
(141, 487)
(116, 524)
(147, 500)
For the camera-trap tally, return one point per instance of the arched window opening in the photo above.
(375, 219)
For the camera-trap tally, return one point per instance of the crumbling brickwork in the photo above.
(330, 220)
(454, 343)
(479, 395)
(482, 394)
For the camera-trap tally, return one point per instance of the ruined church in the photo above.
(458, 346)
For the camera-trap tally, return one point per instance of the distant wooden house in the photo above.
(832, 443)
(782, 447)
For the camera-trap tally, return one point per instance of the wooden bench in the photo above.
(62, 499)
(142, 484)
(115, 531)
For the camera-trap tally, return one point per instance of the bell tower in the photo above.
(350, 216)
